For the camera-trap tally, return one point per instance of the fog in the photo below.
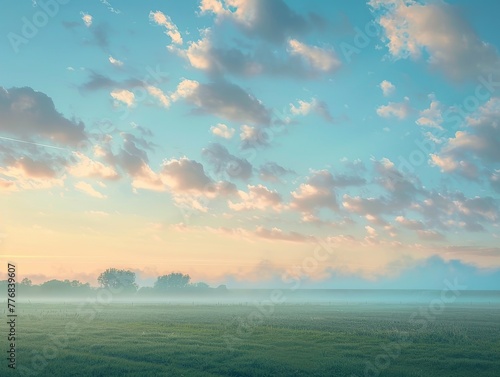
(224, 296)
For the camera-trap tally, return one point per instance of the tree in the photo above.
(200, 285)
(173, 280)
(26, 282)
(123, 280)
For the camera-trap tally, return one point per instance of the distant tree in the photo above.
(173, 280)
(55, 286)
(118, 279)
(200, 285)
(26, 282)
(77, 284)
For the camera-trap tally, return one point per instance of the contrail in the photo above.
(29, 142)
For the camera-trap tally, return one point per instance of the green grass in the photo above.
(295, 340)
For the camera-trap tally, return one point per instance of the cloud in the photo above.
(222, 130)
(87, 19)
(387, 88)
(271, 20)
(431, 117)
(253, 137)
(110, 7)
(159, 95)
(410, 224)
(184, 178)
(258, 197)
(161, 19)
(371, 231)
(123, 96)
(280, 235)
(436, 29)
(430, 235)
(215, 57)
(115, 62)
(133, 159)
(98, 81)
(24, 173)
(186, 175)
(26, 113)
(225, 100)
(316, 106)
(309, 198)
(478, 144)
(494, 179)
(402, 188)
(317, 193)
(400, 192)
(86, 167)
(203, 55)
(36, 169)
(190, 186)
(364, 206)
(89, 190)
(455, 210)
(272, 172)
(395, 109)
(223, 161)
(320, 59)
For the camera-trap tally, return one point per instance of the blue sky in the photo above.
(229, 139)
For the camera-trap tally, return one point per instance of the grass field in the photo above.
(242, 340)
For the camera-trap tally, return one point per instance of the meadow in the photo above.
(329, 339)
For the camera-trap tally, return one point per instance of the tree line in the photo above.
(122, 281)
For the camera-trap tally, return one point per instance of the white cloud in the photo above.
(199, 53)
(185, 89)
(317, 193)
(321, 59)
(28, 174)
(87, 19)
(115, 62)
(253, 18)
(163, 20)
(258, 197)
(214, 6)
(479, 143)
(303, 108)
(431, 117)
(280, 235)
(447, 163)
(371, 231)
(86, 167)
(316, 106)
(414, 29)
(89, 190)
(398, 110)
(223, 99)
(410, 224)
(222, 130)
(159, 95)
(387, 88)
(124, 96)
(252, 136)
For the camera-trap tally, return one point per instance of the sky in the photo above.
(253, 143)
